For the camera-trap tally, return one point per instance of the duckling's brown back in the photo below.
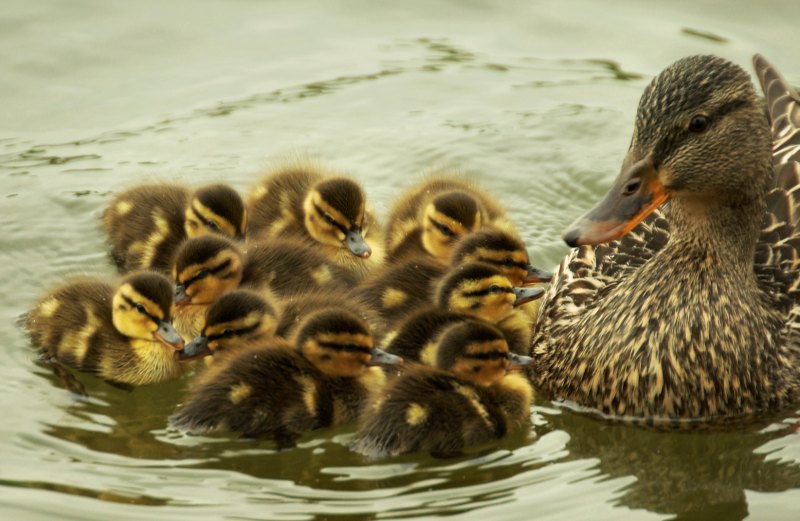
(289, 266)
(275, 204)
(427, 409)
(268, 392)
(145, 225)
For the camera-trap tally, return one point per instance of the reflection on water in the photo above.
(534, 99)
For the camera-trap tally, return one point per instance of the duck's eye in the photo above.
(228, 333)
(494, 288)
(328, 219)
(212, 226)
(508, 261)
(202, 274)
(325, 357)
(698, 123)
(631, 187)
(140, 309)
(476, 369)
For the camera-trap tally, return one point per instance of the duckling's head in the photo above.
(335, 214)
(142, 308)
(482, 290)
(236, 320)
(478, 352)
(205, 268)
(340, 344)
(445, 219)
(703, 141)
(502, 250)
(216, 208)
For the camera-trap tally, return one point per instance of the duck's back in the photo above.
(145, 225)
(275, 205)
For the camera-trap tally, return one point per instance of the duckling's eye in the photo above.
(494, 288)
(476, 369)
(444, 230)
(698, 123)
(508, 261)
(325, 357)
(212, 226)
(228, 333)
(328, 219)
(140, 309)
(202, 274)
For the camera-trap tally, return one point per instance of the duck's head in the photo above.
(482, 290)
(340, 344)
(700, 140)
(236, 320)
(205, 268)
(216, 208)
(477, 352)
(447, 218)
(142, 308)
(502, 250)
(335, 214)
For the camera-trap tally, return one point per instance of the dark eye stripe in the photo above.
(442, 228)
(237, 332)
(491, 355)
(208, 222)
(322, 214)
(346, 347)
(503, 263)
(132, 304)
(212, 271)
(487, 291)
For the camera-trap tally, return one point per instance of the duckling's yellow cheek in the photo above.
(192, 228)
(416, 414)
(322, 275)
(309, 391)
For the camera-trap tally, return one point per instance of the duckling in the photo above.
(278, 391)
(124, 335)
(328, 210)
(296, 307)
(206, 267)
(470, 291)
(146, 224)
(403, 287)
(430, 218)
(468, 398)
(235, 321)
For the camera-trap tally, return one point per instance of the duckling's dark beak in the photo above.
(167, 335)
(181, 297)
(515, 361)
(197, 348)
(357, 245)
(524, 295)
(537, 275)
(381, 357)
(637, 191)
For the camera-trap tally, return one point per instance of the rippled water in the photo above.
(534, 99)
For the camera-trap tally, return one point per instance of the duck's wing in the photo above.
(777, 261)
(588, 272)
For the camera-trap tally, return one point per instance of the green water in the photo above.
(535, 99)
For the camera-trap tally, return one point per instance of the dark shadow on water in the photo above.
(691, 475)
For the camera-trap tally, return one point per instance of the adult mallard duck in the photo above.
(693, 315)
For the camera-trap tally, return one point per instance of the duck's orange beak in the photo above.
(637, 191)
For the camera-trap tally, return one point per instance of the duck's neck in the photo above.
(724, 231)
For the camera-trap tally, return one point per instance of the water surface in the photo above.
(534, 99)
